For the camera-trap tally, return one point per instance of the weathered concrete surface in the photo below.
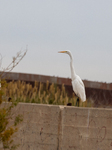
(47, 127)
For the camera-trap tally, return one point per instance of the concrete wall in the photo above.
(47, 127)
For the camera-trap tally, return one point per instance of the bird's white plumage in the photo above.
(78, 88)
(78, 85)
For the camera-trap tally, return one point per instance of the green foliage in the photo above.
(8, 129)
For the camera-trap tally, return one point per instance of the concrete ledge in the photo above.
(49, 127)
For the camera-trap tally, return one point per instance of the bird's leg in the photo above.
(77, 102)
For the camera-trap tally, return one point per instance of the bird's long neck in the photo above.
(73, 74)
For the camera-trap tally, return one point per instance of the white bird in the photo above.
(77, 83)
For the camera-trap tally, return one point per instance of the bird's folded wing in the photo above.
(79, 89)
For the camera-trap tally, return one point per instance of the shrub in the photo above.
(8, 119)
(40, 93)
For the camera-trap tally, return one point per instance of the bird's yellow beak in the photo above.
(62, 52)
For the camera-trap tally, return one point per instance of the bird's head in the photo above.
(66, 52)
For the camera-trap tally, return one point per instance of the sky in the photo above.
(47, 26)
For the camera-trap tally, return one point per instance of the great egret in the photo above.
(77, 84)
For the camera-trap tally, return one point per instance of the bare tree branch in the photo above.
(15, 61)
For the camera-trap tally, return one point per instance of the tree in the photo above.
(8, 120)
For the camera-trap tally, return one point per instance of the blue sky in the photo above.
(84, 27)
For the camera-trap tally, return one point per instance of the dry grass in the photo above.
(40, 93)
